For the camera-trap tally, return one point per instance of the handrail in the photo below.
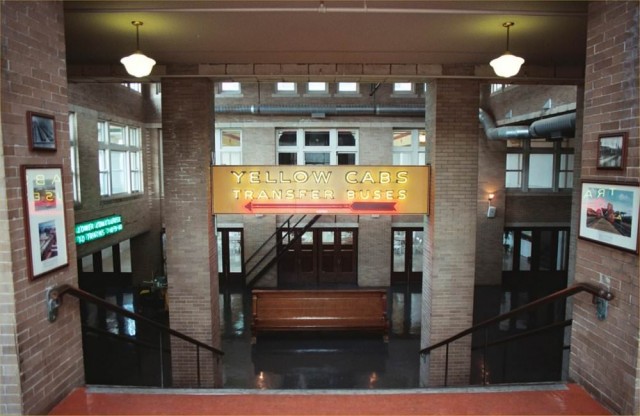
(559, 324)
(279, 254)
(56, 295)
(564, 293)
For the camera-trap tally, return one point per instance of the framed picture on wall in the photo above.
(612, 151)
(41, 129)
(609, 214)
(44, 219)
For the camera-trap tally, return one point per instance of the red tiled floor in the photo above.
(571, 399)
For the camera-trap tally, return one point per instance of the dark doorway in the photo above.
(406, 255)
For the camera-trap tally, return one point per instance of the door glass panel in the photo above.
(525, 250)
(397, 313)
(507, 254)
(416, 313)
(220, 254)
(398, 251)
(346, 238)
(416, 258)
(561, 257)
(307, 238)
(235, 251)
(545, 255)
(107, 259)
(125, 256)
(328, 237)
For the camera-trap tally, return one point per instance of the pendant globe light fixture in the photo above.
(137, 64)
(508, 64)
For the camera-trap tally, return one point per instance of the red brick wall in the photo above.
(48, 356)
(604, 354)
(187, 116)
(450, 270)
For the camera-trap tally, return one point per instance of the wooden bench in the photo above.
(320, 310)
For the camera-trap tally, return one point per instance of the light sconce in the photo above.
(508, 64)
(137, 64)
(491, 212)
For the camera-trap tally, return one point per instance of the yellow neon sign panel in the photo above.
(320, 189)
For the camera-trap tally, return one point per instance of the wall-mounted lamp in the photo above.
(138, 64)
(491, 212)
(508, 64)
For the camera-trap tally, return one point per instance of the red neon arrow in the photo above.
(354, 206)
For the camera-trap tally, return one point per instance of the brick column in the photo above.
(605, 354)
(187, 120)
(452, 122)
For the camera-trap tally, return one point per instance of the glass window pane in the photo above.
(565, 180)
(134, 137)
(514, 161)
(561, 256)
(346, 238)
(220, 254)
(317, 158)
(316, 138)
(87, 263)
(525, 250)
(317, 86)
(328, 237)
(422, 138)
(513, 180)
(347, 87)
(416, 258)
(125, 256)
(346, 138)
(118, 172)
(107, 259)
(287, 159)
(402, 138)
(346, 158)
(286, 87)
(235, 251)
(545, 255)
(230, 86)
(230, 138)
(541, 144)
(116, 134)
(398, 250)
(307, 238)
(287, 138)
(403, 87)
(515, 143)
(102, 134)
(507, 253)
(541, 171)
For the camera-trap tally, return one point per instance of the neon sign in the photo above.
(320, 189)
(99, 228)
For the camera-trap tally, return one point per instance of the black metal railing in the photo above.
(598, 293)
(56, 295)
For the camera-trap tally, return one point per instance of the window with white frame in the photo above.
(348, 87)
(228, 149)
(317, 146)
(409, 147)
(317, 87)
(403, 87)
(230, 88)
(73, 149)
(119, 159)
(539, 165)
(286, 87)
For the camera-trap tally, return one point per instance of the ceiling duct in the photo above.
(557, 127)
(331, 110)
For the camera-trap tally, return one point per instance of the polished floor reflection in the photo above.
(322, 360)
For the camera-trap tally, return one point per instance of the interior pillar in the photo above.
(187, 121)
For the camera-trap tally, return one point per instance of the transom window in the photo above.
(317, 147)
(403, 87)
(317, 87)
(347, 87)
(286, 87)
(409, 147)
(119, 159)
(228, 147)
(539, 165)
(230, 87)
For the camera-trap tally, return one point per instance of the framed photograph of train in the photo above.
(44, 218)
(612, 151)
(41, 129)
(609, 214)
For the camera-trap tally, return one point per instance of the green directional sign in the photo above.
(98, 228)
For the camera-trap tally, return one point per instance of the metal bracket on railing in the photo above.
(53, 304)
(601, 300)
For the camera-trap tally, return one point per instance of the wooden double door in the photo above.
(320, 257)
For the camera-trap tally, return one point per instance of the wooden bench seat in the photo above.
(319, 310)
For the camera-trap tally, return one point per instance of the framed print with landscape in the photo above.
(44, 217)
(612, 151)
(609, 214)
(41, 129)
